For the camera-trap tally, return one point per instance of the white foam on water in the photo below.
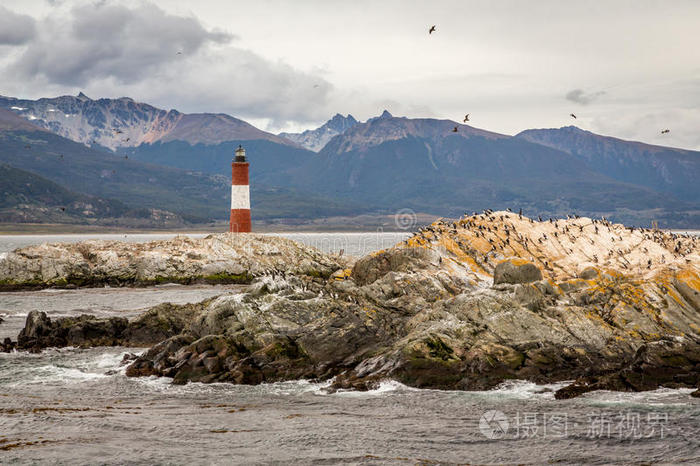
(514, 390)
(57, 374)
(385, 387)
(295, 387)
(659, 397)
(155, 383)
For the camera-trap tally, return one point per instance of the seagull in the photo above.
(572, 115)
(466, 118)
(432, 29)
(664, 131)
(178, 53)
(454, 130)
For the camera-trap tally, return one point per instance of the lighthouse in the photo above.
(240, 194)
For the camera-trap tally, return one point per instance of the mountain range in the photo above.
(346, 167)
(115, 123)
(196, 197)
(316, 139)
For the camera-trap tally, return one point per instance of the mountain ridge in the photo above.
(124, 122)
(316, 139)
(667, 169)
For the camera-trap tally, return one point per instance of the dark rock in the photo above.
(157, 324)
(664, 363)
(7, 346)
(516, 271)
(41, 332)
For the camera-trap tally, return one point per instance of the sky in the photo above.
(625, 68)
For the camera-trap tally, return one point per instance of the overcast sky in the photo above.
(626, 68)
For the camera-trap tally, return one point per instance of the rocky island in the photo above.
(461, 305)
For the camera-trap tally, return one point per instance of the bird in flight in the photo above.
(572, 115)
(454, 130)
(432, 29)
(466, 118)
(664, 131)
(178, 53)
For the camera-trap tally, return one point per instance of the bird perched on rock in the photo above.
(432, 29)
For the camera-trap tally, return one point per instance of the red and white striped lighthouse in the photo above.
(240, 194)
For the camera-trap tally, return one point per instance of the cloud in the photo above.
(141, 51)
(15, 29)
(580, 97)
(106, 40)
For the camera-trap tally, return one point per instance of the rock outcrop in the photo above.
(221, 258)
(576, 299)
(155, 325)
(516, 271)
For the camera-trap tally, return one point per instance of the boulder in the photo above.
(515, 271)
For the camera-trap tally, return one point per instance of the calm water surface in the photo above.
(76, 406)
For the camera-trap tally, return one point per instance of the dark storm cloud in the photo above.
(15, 29)
(107, 40)
(580, 97)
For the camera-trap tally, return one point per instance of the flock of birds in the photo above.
(433, 29)
(501, 237)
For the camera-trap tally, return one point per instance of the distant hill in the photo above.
(195, 196)
(123, 122)
(424, 165)
(665, 169)
(29, 198)
(316, 139)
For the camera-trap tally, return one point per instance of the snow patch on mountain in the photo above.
(123, 122)
(316, 139)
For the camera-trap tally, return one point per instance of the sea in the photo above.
(75, 406)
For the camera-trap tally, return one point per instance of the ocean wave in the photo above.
(385, 387)
(660, 397)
